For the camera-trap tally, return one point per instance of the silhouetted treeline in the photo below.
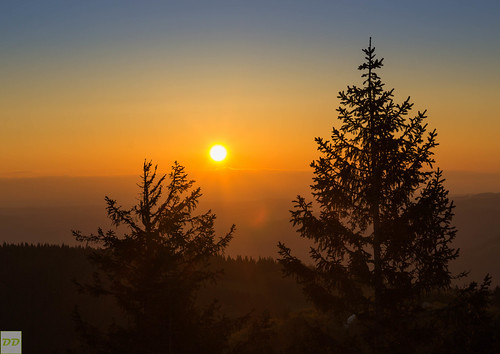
(38, 296)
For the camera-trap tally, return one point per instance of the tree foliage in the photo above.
(155, 270)
(381, 218)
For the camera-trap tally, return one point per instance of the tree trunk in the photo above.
(377, 272)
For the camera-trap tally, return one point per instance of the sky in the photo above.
(89, 89)
(92, 88)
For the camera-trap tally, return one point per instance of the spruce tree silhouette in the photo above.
(381, 218)
(155, 270)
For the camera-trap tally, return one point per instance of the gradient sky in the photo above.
(94, 87)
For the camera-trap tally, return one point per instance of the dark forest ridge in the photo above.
(43, 309)
(42, 296)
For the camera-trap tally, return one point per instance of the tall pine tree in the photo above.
(155, 269)
(381, 218)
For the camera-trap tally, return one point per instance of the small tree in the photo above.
(155, 270)
(382, 236)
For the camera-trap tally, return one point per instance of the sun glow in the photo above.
(218, 152)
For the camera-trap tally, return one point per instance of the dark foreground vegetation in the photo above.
(39, 297)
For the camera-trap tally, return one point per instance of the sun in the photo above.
(218, 152)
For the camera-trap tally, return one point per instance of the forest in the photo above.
(39, 296)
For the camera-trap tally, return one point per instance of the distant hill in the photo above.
(477, 219)
(45, 210)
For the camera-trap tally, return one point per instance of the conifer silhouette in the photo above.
(381, 218)
(155, 270)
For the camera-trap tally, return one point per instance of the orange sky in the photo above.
(86, 93)
(267, 122)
